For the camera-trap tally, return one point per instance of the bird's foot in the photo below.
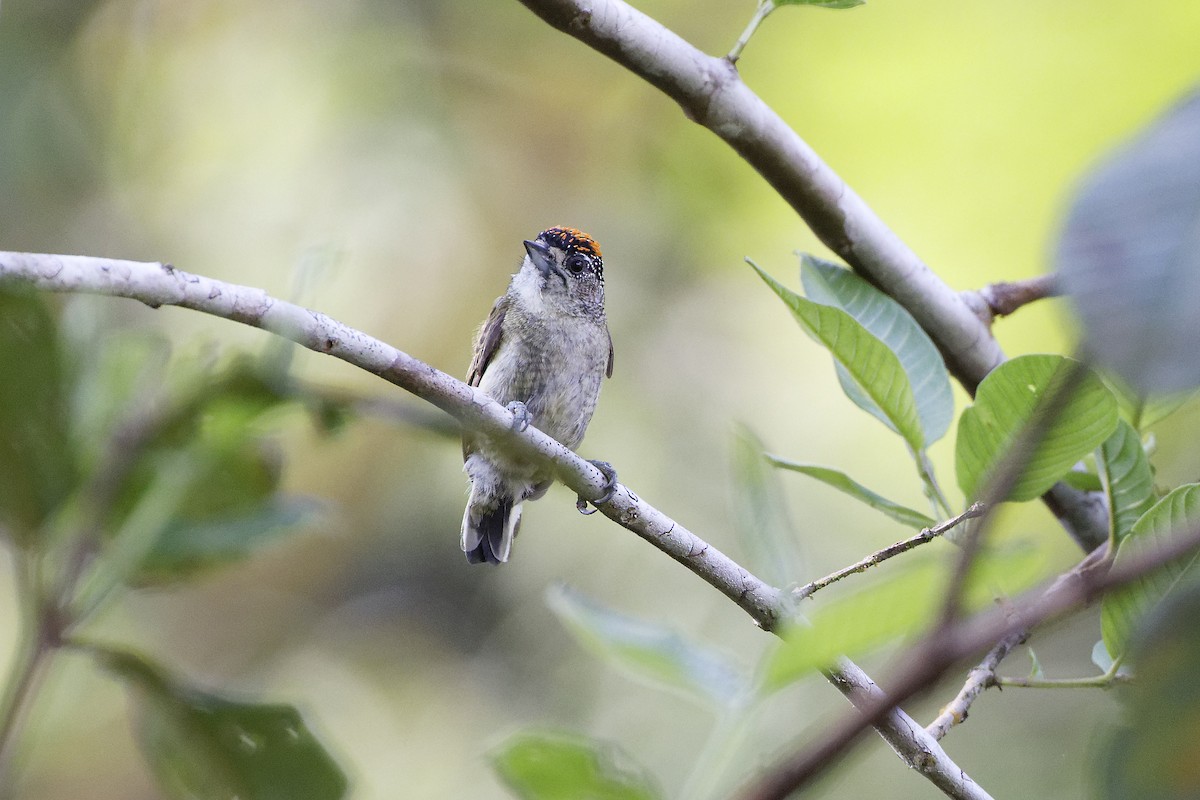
(610, 488)
(521, 415)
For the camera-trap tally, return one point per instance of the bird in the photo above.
(543, 352)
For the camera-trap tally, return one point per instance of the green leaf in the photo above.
(903, 603)
(821, 3)
(556, 766)
(759, 513)
(844, 483)
(873, 367)
(1005, 403)
(1154, 756)
(187, 547)
(1128, 483)
(202, 746)
(37, 458)
(831, 285)
(650, 652)
(1122, 610)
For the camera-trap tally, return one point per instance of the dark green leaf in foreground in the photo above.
(202, 746)
(37, 460)
(1004, 405)
(760, 513)
(557, 766)
(904, 602)
(1155, 756)
(1122, 610)
(1127, 480)
(843, 482)
(873, 368)
(651, 652)
(1129, 255)
(889, 322)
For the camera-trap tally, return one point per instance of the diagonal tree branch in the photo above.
(711, 93)
(161, 284)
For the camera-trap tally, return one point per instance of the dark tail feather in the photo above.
(494, 544)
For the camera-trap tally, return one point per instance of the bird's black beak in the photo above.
(540, 255)
(543, 259)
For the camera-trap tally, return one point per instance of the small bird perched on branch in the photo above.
(542, 352)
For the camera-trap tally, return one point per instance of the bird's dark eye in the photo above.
(576, 263)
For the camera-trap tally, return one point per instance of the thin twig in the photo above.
(1004, 298)
(980, 678)
(879, 556)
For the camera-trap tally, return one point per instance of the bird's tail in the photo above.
(487, 534)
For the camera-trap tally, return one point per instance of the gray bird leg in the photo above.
(521, 415)
(610, 488)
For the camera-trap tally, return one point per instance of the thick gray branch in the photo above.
(160, 284)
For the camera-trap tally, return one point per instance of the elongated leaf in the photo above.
(844, 483)
(1005, 403)
(874, 368)
(760, 514)
(37, 459)
(831, 285)
(903, 603)
(538, 765)
(1127, 480)
(1122, 610)
(1129, 256)
(650, 652)
(202, 746)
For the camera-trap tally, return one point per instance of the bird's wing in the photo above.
(487, 342)
(608, 369)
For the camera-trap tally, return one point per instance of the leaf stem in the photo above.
(38, 642)
(765, 7)
(933, 490)
(1111, 677)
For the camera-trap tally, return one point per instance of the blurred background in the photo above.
(381, 162)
